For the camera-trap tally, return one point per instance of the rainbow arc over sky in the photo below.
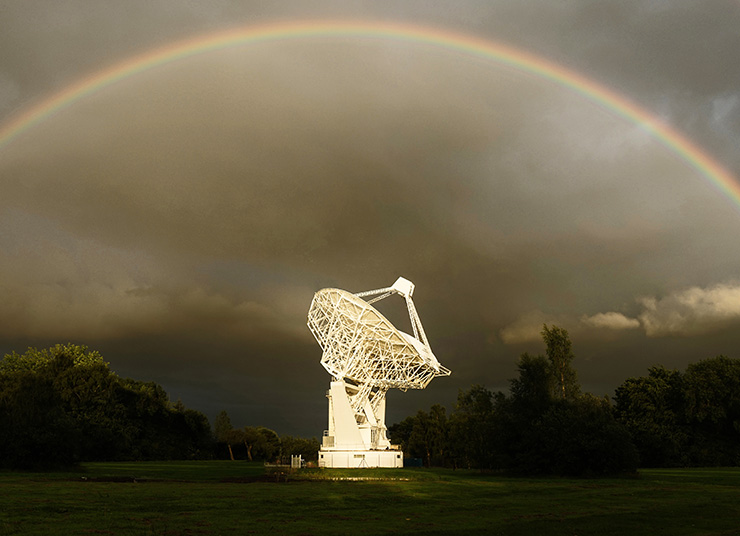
(436, 37)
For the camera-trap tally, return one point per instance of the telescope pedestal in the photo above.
(356, 438)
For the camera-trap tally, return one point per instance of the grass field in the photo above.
(222, 497)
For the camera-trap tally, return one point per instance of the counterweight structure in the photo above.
(366, 355)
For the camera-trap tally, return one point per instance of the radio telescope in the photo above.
(366, 355)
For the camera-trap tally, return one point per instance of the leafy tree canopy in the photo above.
(63, 405)
(34, 359)
(560, 354)
(690, 418)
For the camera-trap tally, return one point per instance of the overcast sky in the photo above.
(181, 219)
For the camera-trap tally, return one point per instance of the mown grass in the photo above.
(179, 498)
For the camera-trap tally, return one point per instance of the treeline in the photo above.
(63, 405)
(545, 425)
(684, 419)
(259, 443)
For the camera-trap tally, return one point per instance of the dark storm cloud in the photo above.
(182, 219)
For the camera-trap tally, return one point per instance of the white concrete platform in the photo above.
(360, 458)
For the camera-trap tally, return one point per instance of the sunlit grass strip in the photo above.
(673, 502)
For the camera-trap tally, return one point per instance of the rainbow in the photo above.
(465, 44)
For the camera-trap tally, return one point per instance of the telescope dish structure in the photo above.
(366, 355)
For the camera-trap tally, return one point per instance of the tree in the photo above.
(69, 384)
(195, 438)
(269, 448)
(237, 436)
(519, 418)
(685, 419)
(252, 440)
(438, 435)
(560, 354)
(36, 432)
(400, 432)
(532, 390)
(222, 425)
(34, 360)
(92, 396)
(547, 427)
(63, 404)
(308, 449)
(581, 437)
(712, 397)
(653, 410)
(429, 436)
(472, 427)
(261, 443)
(223, 431)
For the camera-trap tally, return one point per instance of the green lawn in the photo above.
(222, 497)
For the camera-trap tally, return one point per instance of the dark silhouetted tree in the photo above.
(35, 432)
(685, 419)
(308, 449)
(582, 438)
(712, 398)
(222, 429)
(471, 424)
(261, 443)
(400, 432)
(428, 439)
(653, 410)
(532, 391)
(545, 426)
(80, 410)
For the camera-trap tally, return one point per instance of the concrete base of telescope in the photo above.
(355, 459)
